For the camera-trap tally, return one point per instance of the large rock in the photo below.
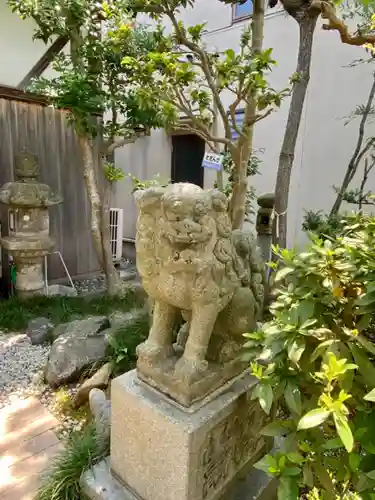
(79, 344)
(39, 330)
(87, 326)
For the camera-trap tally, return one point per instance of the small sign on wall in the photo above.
(212, 160)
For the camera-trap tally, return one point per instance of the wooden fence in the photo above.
(27, 124)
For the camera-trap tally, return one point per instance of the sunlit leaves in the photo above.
(343, 430)
(371, 395)
(324, 375)
(96, 77)
(314, 418)
(264, 393)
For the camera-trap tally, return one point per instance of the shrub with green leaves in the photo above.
(123, 344)
(315, 364)
(322, 224)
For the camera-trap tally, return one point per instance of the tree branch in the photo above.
(187, 128)
(367, 170)
(187, 110)
(111, 144)
(232, 112)
(328, 12)
(358, 154)
(263, 115)
(210, 77)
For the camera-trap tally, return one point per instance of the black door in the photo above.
(187, 157)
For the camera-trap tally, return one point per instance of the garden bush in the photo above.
(123, 344)
(315, 363)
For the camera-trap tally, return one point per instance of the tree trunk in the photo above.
(99, 218)
(114, 283)
(307, 23)
(357, 155)
(241, 160)
(237, 207)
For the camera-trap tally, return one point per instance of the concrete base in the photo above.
(161, 452)
(98, 483)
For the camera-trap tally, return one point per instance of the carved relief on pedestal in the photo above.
(230, 445)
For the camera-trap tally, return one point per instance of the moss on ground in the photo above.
(15, 313)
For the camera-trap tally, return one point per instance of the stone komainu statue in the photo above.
(191, 262)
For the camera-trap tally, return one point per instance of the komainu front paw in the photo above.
(190, 369)
(154, 353)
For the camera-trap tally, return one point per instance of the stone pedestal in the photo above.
(159, 451)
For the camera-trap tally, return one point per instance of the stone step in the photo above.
(99, 484)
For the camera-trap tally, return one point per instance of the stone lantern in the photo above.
(28, 241)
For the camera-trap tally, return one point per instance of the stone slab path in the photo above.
(27, 445)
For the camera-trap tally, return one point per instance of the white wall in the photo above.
(18, 52)
(325, 144)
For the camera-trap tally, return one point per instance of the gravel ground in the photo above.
(90, 285)
(20, 365)
(98, 283)
(21, 376)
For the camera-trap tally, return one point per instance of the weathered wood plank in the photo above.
(14, 94)
(45, 131)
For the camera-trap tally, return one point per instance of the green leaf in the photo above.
(321, 349)
(296, 458)
(333, 444)
(343, 430)
(370, 396)
(313, 418)
(296, 350)
(366, 299)
(371, 474)
(288, 489)
(265, 463)
(230, 54)
(265, 396)
(354, 461)
(306, 312)
(291, 471)
(272, 329)
(369, 346)
(280, 275)
(308, 323)
(308, 476)
(275, 429)
(366, 368)
(325, 480)
(293, 398)
(271, 350)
